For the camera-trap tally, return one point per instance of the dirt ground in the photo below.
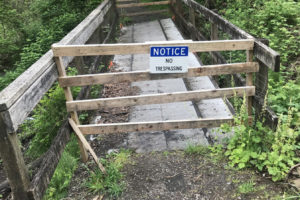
(175, 175)
(171, 175)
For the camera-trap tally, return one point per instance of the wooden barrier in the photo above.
(136, 48)
(267, 57)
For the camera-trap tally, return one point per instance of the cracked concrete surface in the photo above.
(162, 30)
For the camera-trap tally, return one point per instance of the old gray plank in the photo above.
(21, 96)
(79, 35)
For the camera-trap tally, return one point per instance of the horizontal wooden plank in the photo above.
(151, 12)
(265, 54)
(140, 48)
(209, 70)
(93, 104)
(152, 126)
(130, 5)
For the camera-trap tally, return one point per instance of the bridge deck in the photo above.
(162, 30)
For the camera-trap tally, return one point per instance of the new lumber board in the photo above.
(143, 48)
(152, 126)
(93, 104)
(209, 70)
(264, 53)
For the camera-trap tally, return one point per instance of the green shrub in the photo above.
(258, 146)
(110, 184)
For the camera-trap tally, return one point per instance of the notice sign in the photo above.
(169, 59)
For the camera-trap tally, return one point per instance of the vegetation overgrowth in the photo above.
(29, 28)
(256, 145)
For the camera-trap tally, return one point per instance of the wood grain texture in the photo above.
(86, 144)
(130, 5)
(21, 96)
(152, 126)
(13, 163)
(196, 95)
(140, 48)
(42, 178)
(95, 79)
(265, 54)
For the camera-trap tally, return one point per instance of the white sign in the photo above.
(169, 59)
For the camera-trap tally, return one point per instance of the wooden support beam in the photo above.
(93, 104)
(49, 163)
(130, 5)
(86, 144)
(152, 12)
(69, 97)
(152, 126)
(13, 162)
(209, 70)
(249, 82)
(142, 48)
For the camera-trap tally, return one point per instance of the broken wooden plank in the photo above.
(86, 144)
(42, 178)
(265, 54)
(93, 104)
(130, 5)
(152, 12)
(152, 126)
(140, 48)
(209, 70)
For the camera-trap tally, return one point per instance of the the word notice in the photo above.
(169, 59)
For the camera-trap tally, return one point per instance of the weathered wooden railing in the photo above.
(265, 56)
(21, 96)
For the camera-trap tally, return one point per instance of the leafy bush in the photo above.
(258, 146)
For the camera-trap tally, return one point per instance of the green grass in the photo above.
(110, 184)
(196, 150)
(247, 187)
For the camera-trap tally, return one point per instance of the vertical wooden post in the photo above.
(13, 162)
(214, 32)
(179, 7)
(192, 15)
(249, 82)
(214, 36)
(69, 97)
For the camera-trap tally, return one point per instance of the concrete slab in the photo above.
(174, 139)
